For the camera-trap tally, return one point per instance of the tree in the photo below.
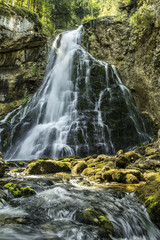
(91, 8)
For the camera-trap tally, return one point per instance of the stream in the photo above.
(56, 212)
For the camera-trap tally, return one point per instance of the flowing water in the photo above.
(82, 108)
(56, 212)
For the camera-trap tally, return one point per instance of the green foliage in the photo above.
(109, 8)
(54, 14)
(8, 10)
(66, 14)
(87, 19)
(143, 18)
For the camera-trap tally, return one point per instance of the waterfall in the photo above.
(81, 108)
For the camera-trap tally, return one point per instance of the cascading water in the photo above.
(81, 108)
(57, 212)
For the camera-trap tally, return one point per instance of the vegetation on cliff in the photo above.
(64, 14)
(8, 10)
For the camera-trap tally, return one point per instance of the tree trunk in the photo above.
(91, 8)
(28, 4)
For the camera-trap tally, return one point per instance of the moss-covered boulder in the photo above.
(122, 176)
(45, 167)
(131, 179)
(79, 167)
(132, 156)
(102, 157)
(151, 151)
(149, 193)
(18, 191)
(145, 164)
(123, 160)
(89, 171)
(97, 218)
(2, 165)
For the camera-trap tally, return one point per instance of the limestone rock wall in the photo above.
(136, 56)
(22, 57)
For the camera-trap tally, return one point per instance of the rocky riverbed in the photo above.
(134, 171)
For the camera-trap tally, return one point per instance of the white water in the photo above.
(60, 110)
(57, 212)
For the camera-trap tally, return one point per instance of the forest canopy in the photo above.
(66, 14)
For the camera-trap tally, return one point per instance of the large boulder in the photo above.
(45, 167)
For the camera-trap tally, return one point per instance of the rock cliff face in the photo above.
(22, 55)
(136, 56)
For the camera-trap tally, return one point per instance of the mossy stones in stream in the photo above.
(45, 167)
(18, 191)
(97, 218)
(122, 176)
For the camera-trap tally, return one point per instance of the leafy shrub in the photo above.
(87, 19)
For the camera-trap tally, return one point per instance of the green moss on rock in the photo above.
(122, 176)
(89, 172)
(18, 191)
(45, 167)
(123, 160)
(95, 217)
(79, 167)
(21, 163)
(131, 179)
(149, 193)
